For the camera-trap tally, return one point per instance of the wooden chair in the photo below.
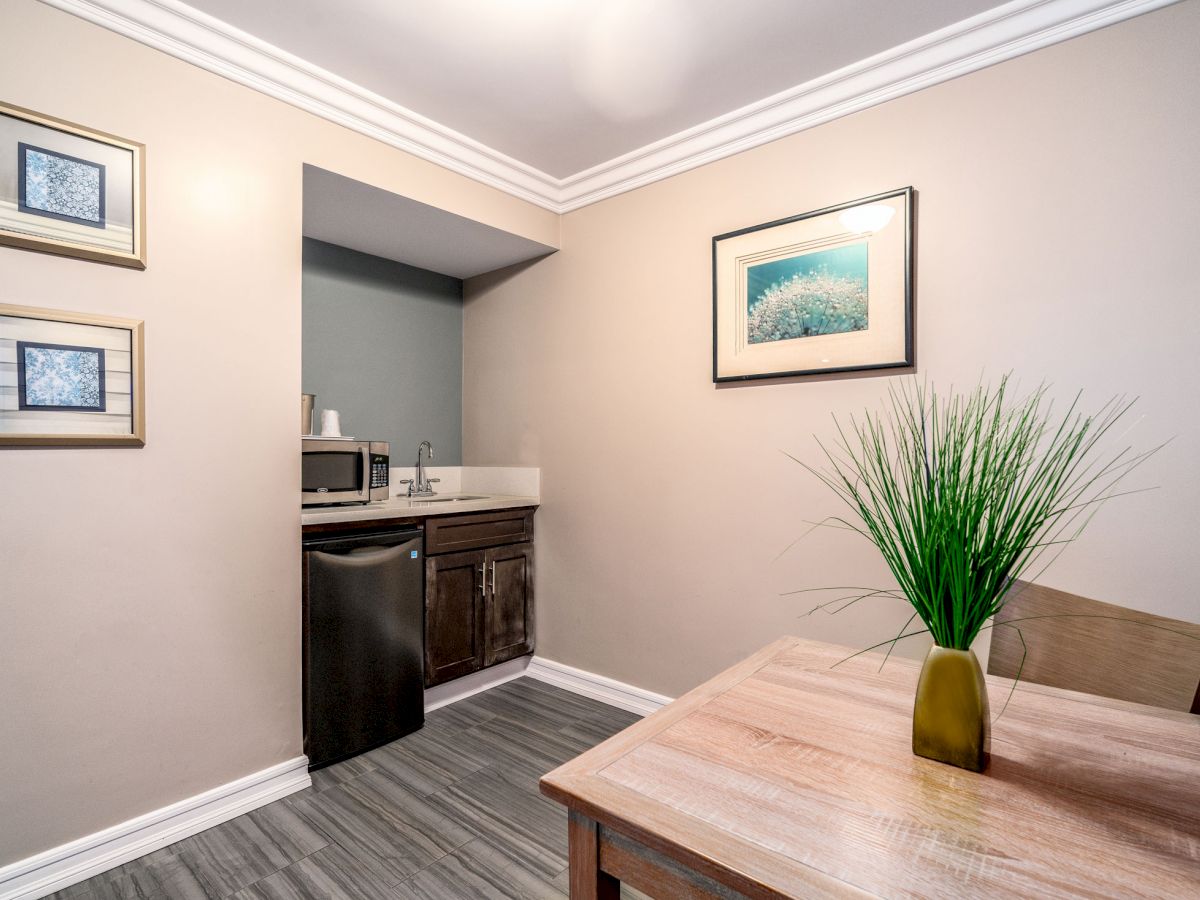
(1129, 656)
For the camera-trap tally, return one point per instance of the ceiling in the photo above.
(566, 102)
(564, 85)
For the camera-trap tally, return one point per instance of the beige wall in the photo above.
(149, 599)
(1057, 226)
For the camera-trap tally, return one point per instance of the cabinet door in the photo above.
(454, 619)
(509, 617)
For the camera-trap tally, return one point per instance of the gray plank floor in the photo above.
(447, 813)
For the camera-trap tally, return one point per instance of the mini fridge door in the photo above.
(363, 643)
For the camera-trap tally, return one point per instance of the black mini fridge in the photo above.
(363, 641)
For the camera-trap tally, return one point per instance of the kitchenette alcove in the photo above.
(382, 344)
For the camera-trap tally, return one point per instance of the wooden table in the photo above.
(784, 777)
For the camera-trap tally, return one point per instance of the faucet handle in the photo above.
(433, 480)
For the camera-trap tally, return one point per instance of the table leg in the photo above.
(587, 881)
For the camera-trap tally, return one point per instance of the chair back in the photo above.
(1097, 648)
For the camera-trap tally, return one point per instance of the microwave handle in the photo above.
(365, 450)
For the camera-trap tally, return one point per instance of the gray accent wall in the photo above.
(382, 344)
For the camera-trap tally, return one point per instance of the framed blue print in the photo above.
(71, 190)
(60, 377)
(59, 186)
(821, 292)
(76, 379)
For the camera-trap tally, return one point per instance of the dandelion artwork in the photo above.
(824, 291)
(60, 377)
(808, 295)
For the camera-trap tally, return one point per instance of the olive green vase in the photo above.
(951, 722)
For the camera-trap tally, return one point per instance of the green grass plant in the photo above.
(963, 494)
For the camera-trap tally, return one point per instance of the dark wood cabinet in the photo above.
(454, 616)
(478, 602)
(508, 608)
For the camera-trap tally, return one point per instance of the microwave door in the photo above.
(335, 474)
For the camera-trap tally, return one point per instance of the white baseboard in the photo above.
(577, 681)
(598, 687)
(475, 683)
(68, 864)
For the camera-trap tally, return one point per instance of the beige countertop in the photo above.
(398, 507)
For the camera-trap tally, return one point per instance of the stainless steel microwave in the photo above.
(335, 470)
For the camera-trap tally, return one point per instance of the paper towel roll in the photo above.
(331, 423)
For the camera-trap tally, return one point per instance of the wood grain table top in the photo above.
(788, 775)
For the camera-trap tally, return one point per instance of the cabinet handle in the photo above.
(493, 576)
(483, 579)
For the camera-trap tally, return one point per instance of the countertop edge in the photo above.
(402, 508)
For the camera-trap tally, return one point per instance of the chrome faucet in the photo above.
(419, 485)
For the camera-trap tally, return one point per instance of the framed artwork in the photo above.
(70, 379)
(824, 291)
(69, 190)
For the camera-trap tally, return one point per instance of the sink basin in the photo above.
(457, 499)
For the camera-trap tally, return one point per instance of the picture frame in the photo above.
(70, 379)
(70, 190)
(820, 292)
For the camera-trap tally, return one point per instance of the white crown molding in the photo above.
(71, 863)
(198, 38)
(999, 34)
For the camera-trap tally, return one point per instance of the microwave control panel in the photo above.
(379, 470)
